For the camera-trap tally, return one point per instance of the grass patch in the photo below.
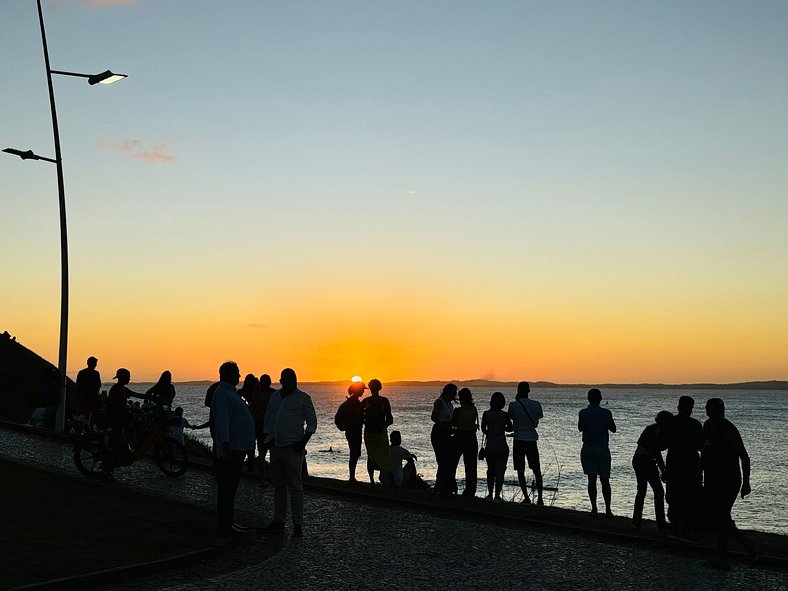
(57, 526)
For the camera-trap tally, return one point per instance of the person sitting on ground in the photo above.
(162, 392)
(466, 421)
(495, 424)
(650, 469)
(594, 422)
(399, 455)
(377, 417)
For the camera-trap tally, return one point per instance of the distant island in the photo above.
(493, 384)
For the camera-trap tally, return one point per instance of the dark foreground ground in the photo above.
(368, 541)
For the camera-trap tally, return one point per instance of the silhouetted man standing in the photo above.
(682, 468)
(234, 428)
(525, 414)
(595, 422)
(723, 451)
(88, 389)
(288, 411)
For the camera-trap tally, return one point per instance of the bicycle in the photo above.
(148, 431)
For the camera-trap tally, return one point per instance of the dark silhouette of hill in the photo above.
(24, 380)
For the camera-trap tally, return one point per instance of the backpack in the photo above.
(344, 417)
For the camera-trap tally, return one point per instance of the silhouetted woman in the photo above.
(163, 392)
(443, 441)
(650, 469)
(376, 411)
(495, 424)
(259, 407)
(466, 421)
(250, 392)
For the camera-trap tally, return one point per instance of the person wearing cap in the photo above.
(355, 421)
(88, 388)
(118, 414)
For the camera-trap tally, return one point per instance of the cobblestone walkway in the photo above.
(368, 545)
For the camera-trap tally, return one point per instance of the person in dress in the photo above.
(465, 420)
(376, 410)
(495, 424)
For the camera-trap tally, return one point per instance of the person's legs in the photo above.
(606, 494)
(354, 447)
(279, 479)
(642, 484)
(229, 478)
(491, 459)
(659, 496)
(518, 461)
(592, 492)
(293, 462)
(470, 452)
(532, 454)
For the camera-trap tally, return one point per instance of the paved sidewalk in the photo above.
(351, 543)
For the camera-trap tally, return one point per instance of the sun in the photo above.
(355, 379)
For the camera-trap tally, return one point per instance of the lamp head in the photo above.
(106, 77)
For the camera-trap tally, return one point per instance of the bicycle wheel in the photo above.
(171, 457)
(88, 456)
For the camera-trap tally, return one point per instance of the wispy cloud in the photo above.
(102, 3)
(160, 151)
(255, 325)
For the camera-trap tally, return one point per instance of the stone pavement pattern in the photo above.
(369, 545)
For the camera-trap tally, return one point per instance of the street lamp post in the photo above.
(106, 78)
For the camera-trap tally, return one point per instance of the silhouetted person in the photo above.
(443, 441)
(376, 411)
(118, 416)
(260, 407)
(250, 392)
(398, 455)
(495, 424)
(289, 410)
(466, 422)
(594, 422)
(350, 417)
(525, 414)
(89, 390)
(682, 469)
(211, 423)
(234, 426)
(650, 469)
(723, 452)
(163, 392)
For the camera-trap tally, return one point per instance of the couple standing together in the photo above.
(290, 421)
(450, 444)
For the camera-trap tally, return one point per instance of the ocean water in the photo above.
(760, 416)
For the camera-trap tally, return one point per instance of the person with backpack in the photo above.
(350, 419)
(377, 417)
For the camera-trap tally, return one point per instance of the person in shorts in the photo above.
(595, 423)
(525, 414)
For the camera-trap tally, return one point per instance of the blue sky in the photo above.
(608, 160)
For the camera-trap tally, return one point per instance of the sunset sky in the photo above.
(569, 191)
